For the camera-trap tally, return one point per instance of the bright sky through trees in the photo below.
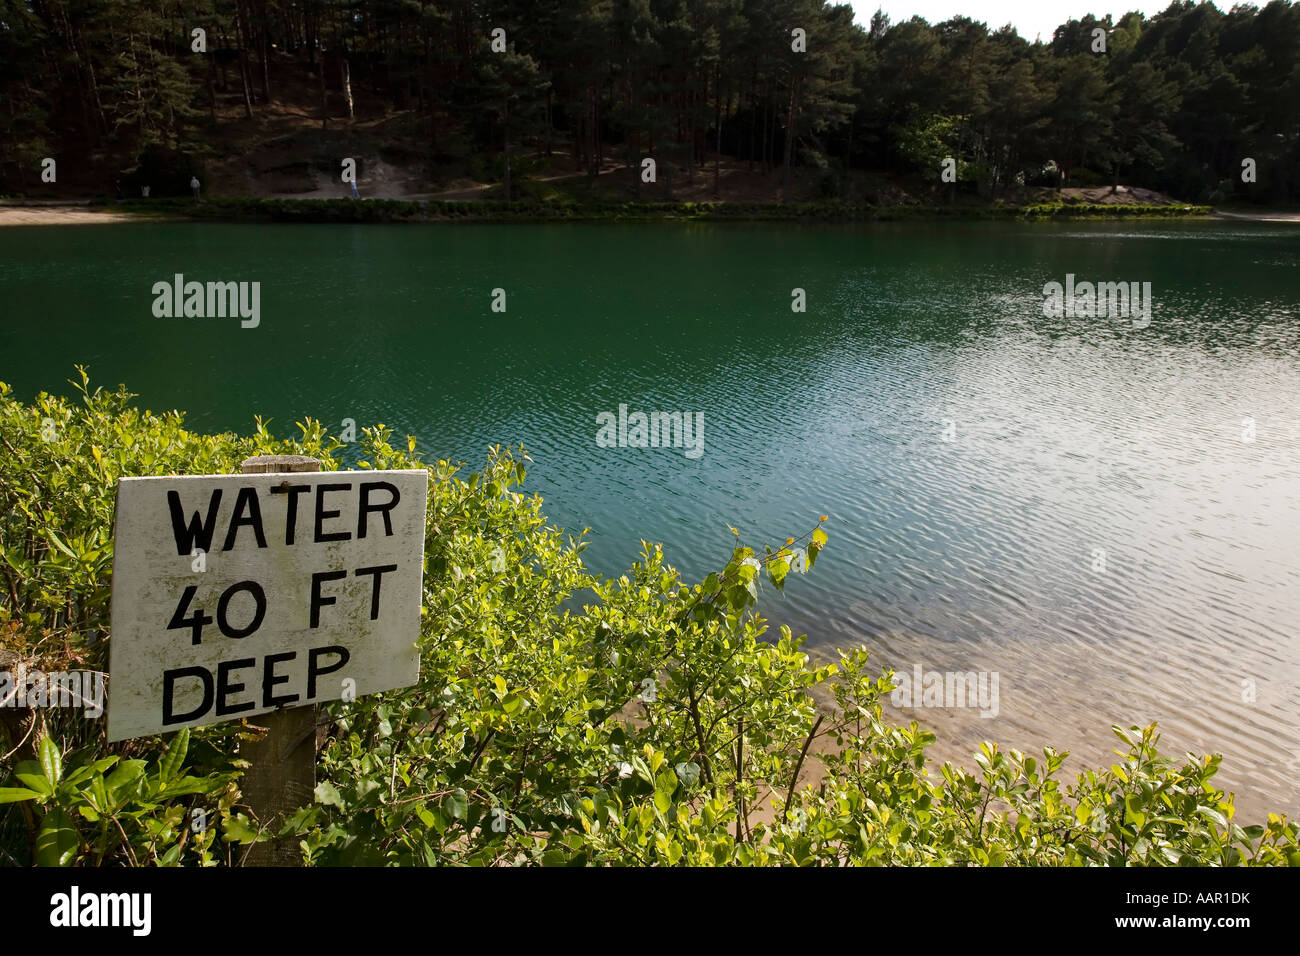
(1030, 17)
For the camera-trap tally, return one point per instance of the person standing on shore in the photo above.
(194, 187)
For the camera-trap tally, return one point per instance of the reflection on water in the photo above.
(1097, 531)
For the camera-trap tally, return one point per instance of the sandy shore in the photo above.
(76, 215)
(59, 216)
(1261, 216)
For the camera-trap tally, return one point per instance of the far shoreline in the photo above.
(248, 209)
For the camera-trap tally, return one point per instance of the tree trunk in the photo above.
(600, 142)
(718, 130)
(83, 76)
(324, 104)
(86, 65)
(241, 37)
(634, 166)
(243, 78)
(346, 77)
(789, 146)
(549, 122)
(212, 85)
(506, 152)
(753, 116)
(848, 163)
(767, 138)
(266, 54)
(593, 136)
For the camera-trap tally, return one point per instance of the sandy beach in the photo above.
(1261, 216)
(59, 216)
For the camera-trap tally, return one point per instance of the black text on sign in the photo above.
(234, 595)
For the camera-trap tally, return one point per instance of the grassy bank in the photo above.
(391, 210)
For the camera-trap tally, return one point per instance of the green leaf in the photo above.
(51, 762)
(738, 596)
(457, 804)
(36, 782)
(16, 794)
(239, 829)
(1214, 816)
(57, 841)
(1083, 812)
(777, 570)
(58, 543)
(97, 794)
(665, 786)
(329, 795)
(1133, 810)
(126, 776)
(171, 857)
(175, 756)
(688, 774)
(190, 784)
(19, 565)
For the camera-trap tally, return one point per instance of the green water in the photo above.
(1070, 435)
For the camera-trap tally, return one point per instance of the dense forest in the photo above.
(1176, 102)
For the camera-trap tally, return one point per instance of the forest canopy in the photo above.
(1176, 102)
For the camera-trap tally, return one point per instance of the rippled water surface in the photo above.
(1070, 437)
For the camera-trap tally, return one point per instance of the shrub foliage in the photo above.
(661, 723)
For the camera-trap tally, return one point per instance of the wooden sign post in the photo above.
(258, 596)
(282, 765)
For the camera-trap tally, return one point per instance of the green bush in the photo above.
(658, 724)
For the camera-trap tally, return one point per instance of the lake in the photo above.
(1103, 511)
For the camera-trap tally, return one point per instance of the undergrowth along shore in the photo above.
(397, 210)
(659, 724)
